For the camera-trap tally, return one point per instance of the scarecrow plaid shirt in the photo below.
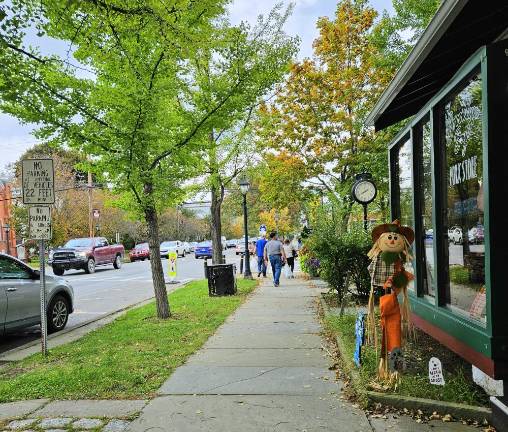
(380, 271)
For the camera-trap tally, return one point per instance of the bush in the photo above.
(459, 274)
(308, 262)
(343, 259)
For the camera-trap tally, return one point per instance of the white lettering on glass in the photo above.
(463, 171)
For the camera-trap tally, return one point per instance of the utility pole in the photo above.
(90, 220)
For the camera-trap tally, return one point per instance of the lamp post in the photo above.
(244, 188)
(8, 240)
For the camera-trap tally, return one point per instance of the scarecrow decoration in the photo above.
(392, 243)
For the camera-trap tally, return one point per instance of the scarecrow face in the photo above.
(391, 242)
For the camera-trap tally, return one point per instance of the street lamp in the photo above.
(244, 188)
(7, 229)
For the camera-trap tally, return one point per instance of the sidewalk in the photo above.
(264, 370)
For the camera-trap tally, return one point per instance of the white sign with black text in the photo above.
(436, 372)
(39, 221)
(38, 181)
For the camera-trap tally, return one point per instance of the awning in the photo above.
(458, 30)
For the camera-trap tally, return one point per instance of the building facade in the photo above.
(448, 180)
(7, 233)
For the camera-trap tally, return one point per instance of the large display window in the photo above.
(463, 132)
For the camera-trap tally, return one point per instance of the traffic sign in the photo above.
(38, 181)
(96, 213)
(172, 257)
(39, 221)
(262, 228)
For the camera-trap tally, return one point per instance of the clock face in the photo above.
(365, 191)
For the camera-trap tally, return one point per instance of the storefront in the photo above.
(449, 180)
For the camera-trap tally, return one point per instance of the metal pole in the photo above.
(8, 240)
(90, 221)
(247, 274)
(365, 217)
(44, 324)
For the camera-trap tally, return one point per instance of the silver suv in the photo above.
(20, 297)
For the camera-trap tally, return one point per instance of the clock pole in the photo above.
(365, 217)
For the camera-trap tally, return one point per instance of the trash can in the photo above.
(221, 279)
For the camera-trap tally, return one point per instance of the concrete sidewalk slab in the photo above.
(92, 408)
(14, 410)
(259, 357)
(249, 414)
(265, 317)
(283, 340)
(240, 327)
(207, 379)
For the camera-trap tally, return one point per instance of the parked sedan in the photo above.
(172, 246)
(203, 250)
(20, 297)
(140, 252)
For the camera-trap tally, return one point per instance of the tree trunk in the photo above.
(216, 224)
(159, 286)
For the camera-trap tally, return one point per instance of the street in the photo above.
(108, 290)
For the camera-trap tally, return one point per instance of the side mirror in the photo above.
(36, 274)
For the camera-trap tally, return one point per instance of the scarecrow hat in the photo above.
(394, 227)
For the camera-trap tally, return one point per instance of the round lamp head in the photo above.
(244, 186)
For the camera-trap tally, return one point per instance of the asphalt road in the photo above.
(108, 290)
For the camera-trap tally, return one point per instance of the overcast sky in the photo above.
(16, 138)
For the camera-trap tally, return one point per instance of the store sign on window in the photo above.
(463, 171)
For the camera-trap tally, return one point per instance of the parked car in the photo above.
(193, 246)
(203, 250)
(231, 243)
(476, 235)
(20, 297)
(172, 246)
(455, 235)
(187, 247)
(140, 252)
(87, 254)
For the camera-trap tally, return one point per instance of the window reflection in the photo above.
(426, 207)
(405, 184)
(464, 162)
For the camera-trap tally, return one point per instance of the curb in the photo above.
(456, 410)
(66, 332)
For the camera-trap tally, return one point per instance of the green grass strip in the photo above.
(127, 359)
(458, 388)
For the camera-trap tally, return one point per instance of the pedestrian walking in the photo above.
(274, 251)
(290, 252)
(260, 252)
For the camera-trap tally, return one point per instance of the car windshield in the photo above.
(142, 246)
(205, 244)
(80, 242)
(168, 244)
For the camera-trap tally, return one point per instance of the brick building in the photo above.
(7, 233)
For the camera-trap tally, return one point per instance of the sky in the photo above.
(16, 138)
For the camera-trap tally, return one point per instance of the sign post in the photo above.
(38, 190)
(172, 257)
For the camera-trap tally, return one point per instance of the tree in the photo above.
(316, 125)
(265, 50)
(136, 108)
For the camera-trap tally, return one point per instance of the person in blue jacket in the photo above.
(260, 249)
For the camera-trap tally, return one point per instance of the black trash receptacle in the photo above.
(221, 279)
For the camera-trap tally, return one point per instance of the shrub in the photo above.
(343, 259)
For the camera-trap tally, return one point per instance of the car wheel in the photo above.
(58, 314)
(90, 266)
(183, 254)
(117, 263)
(58, 271)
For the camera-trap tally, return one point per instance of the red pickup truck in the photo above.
(86, 254)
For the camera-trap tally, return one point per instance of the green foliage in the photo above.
(342, 257)
(459, 275)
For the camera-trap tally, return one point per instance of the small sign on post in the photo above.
(38, 189)
(39, 222)
(172, 257)
(38, 181)
(96, 213)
